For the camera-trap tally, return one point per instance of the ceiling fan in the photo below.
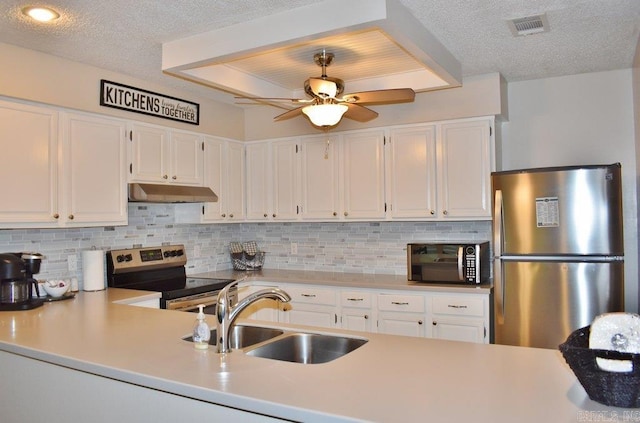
(325, 108)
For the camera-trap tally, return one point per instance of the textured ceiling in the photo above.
(127, 36)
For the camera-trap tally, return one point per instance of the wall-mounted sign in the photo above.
(124, 97)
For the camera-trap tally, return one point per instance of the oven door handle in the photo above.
(184, 304)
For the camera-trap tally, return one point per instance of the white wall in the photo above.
(575, 120)
(31, 75)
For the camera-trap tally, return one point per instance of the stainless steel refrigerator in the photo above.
(558, 251)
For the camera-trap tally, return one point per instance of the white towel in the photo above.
(618, 332)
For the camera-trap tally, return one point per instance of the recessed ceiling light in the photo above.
(41, 14)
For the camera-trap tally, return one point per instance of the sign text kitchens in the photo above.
(137, 100)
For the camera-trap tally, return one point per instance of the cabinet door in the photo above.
(235, 193)
(94, 177)
(149, 154)
(458, 329)
(186, 158)
(407, 324)
(215, 175)
(465, 169)
(412, 172)
(285, 177)
(28, 165)
(356, 319)
(309, 314)
(258, 181)
(363, 159)
(320, 178)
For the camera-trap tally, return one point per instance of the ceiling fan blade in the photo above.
(395, 95)
(288, 114)
(323, 87)
(359, 113)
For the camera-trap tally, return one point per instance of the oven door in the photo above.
(208, 299)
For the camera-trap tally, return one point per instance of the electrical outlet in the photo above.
(72, 263)
(294, 249)
(196, 251)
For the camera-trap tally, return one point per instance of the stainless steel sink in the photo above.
(244, 336)
(308, 348)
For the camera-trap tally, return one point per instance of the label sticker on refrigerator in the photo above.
(547, 212)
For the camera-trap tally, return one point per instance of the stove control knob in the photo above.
(166, 254)
(120, 258)
(128, 257)
(179, 253)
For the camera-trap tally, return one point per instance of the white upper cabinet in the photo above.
(442, 171)
(224, 174)
(363, 169)
(465, 169)
(258, 181)
(160, 155)
(286, 180)
(320, 177)
(93, 173)
(235, 180)
(71, 167)
(412, 165)
(28, 165)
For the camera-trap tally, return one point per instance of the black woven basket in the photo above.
(610, 388)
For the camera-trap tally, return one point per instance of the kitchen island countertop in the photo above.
(390, 378)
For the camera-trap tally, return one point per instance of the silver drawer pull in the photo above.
(308, 295)
(399, 303)
(355, 299)
(456, 306)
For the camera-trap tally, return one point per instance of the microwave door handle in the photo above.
(497, 247)
(460, 262)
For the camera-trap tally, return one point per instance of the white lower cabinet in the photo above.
(310, 306)
(400, 314)
(356, 311)
(451, 316)
(460, 318)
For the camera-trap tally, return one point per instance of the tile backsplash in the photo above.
(361, 247)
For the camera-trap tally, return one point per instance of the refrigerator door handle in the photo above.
(497, 250)
(460, 261)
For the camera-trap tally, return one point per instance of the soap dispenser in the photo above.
(201, 331)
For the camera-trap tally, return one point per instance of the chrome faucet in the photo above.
(227, 313)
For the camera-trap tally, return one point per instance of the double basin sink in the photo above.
(292, 346)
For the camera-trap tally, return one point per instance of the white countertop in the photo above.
(353, 280)
(391, 378)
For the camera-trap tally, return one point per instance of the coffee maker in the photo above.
(16, 281)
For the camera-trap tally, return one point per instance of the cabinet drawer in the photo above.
(311, 295)
(356, 299)
(395, 302)
(458, 306)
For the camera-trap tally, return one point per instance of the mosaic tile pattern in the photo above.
(364, 247)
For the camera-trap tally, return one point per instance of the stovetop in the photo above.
(160, 269)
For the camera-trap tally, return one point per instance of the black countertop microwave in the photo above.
(463, 263)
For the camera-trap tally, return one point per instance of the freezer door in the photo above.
(539, 303)
(572, 211)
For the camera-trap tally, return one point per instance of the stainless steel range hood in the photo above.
(159, 193)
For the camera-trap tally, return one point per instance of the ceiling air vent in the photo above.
(529, 25)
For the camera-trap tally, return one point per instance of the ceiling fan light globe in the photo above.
(325, 114)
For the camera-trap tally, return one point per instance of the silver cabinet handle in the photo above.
(399, 303)
(355, 299)
(432, 212)
(56, 216)
(165, 177)
(456, 306)
(265, 215)
(70, 217)
(346, 214)
(366, 316)
(174, 177)
(445, 212)
(308, 295)
(419, 322)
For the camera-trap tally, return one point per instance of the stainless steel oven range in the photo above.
(162, 269)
